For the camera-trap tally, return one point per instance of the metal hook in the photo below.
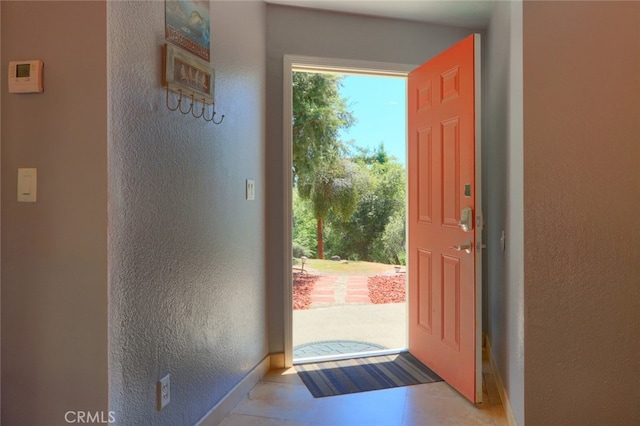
(204, 117)
(190, 109)
(201, 112)
(179, 101)
(217, 122)
(190, 105)
(213, 116)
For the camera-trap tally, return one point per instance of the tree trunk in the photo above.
(320, 243)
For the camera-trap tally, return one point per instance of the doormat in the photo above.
(364, 374)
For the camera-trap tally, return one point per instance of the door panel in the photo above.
(425, 299)
(450, 171)
(443, 314)
(451, 302)
(425, 199)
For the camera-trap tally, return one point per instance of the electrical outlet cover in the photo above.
(164, 391)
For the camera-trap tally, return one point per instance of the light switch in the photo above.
(27, 185)
(251, 190)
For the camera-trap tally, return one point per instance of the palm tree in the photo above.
(334, 187)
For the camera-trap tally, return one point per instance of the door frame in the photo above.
(479, 214)
(351, 66)
(312, 64)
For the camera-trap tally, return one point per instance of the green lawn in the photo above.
(343, 267)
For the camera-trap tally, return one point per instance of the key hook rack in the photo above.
(204, 114)
(193, 80)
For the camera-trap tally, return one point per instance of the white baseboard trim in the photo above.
(236, 395)
(511, 419)
(277, 361)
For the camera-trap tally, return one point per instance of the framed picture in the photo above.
(187, 25)
(187, 74)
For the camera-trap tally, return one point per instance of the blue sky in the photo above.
(379, 104)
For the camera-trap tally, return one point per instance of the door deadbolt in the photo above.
(466, 219)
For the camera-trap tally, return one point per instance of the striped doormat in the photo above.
(364, 374)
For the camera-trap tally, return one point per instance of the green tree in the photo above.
(366, 155)
(320, 172)
(382, 197)
(333, 188)
(392, 246)
(304, 228)
(319, 113)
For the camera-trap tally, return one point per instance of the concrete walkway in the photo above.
(331, 290)
(380, 324)
(341, 310)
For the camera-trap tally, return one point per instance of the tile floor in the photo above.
(282, 399)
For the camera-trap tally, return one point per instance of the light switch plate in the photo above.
(27, 185)
(251, 190)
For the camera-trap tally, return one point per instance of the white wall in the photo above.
(502, 167)
(186, 250)
(581, 192)
(322, 34)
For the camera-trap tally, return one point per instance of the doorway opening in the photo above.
(348, 213)
(444, 210)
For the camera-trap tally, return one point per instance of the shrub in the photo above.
(300, 250)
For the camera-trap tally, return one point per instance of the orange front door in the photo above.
(444, 317)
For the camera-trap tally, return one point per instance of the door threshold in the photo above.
(354, 355)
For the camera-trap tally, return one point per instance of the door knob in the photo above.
(467, 247)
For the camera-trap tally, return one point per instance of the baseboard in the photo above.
(511, 419)
(236, 395)
(277, 361)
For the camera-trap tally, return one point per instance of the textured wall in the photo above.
(582, 192)
(186, 251)
(312, 33)
(54, 251)
(502, 167)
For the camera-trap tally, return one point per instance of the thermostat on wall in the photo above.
(26, 76)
